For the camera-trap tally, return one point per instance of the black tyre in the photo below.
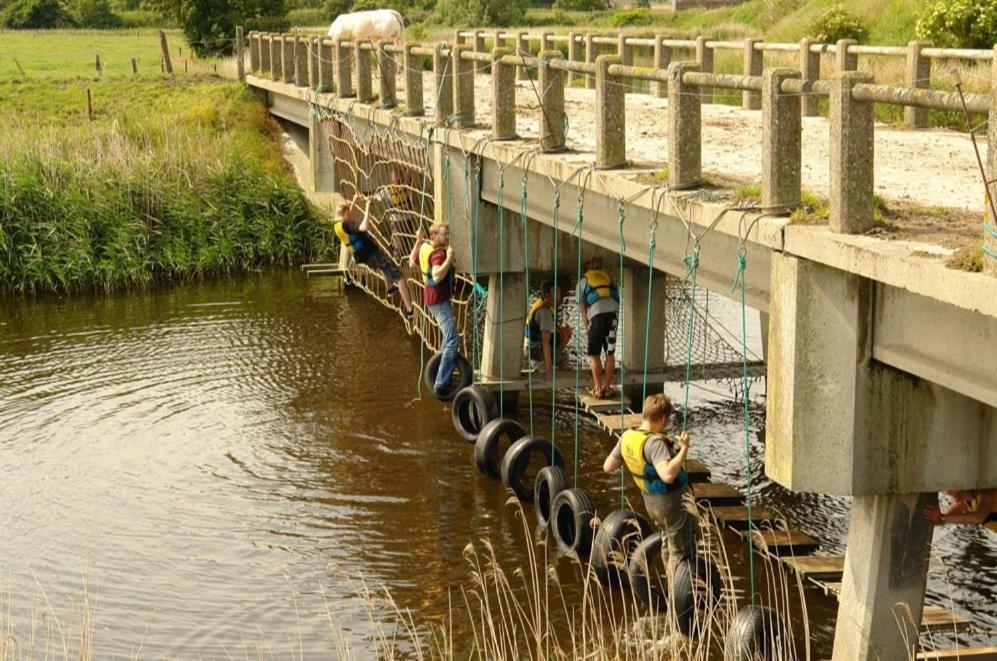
(617, 537)
(647, 574)
(492, 443)
(752, 635)
(550, 482)
(524, 461)
(461, 378)
(473, 408)
(571, 516)
(695, 588)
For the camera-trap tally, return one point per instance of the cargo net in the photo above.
(394, 171)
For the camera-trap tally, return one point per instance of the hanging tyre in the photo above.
(551, 481)
(473, 408)
(695, 589)
(493, 441)
(752, 635)
(518, 475)
(646, 573)
(461, 378)
(617, 537)
(571, 516)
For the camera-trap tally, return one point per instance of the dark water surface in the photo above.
(228, 464)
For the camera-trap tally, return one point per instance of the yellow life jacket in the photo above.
(598, 284)
(533, 332)
(401, 198)
(356, 243)
(425, 251)
(644, 474)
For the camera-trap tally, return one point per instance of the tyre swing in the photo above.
(647, 582)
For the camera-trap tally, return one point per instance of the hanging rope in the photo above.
(526, 257)
(557, 340)
(621, 214)
(647, 319)
(691, 265)
(501, 321)
(578, 324)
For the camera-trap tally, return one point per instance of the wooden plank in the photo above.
(827, 567)
(595, 404)
(736, 516)
(936, 619)
(832, 588)
(779, 542)
(613, 422)
(974, 653)
(717, 493)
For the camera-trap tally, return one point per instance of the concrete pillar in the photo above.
(552, 105)
(463, 82)
(414, 104)
(662, 60)
(344, 71)
(626, 53)
(240, 53)
(844, 60)
(276, 57)
(502, 341)
(254, 53)
(326, 57)
(990, 228)
(763, 330)
(753, 62)
(287, 59)
(886, 567)
(498, 41)
(313, 62)
(365, 83)
(523, 49)
(300, 61)
(781, 141)
(387, 67)
(704, 57)
(685, 145)
(918, 77)
(633, 321)
(810, 68)
(264, 46)
(479, 47)
(443, 82)
(503, 96)
(852, 148)
(574, 53)
(590, 55)
(610, 117)
(320, 157)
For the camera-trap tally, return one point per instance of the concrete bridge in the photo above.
(882, 379)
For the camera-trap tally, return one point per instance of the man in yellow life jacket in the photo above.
(657, 465)
(435, 260)
(355, 237)
(397, 197)
(600, 306)
(545, 339)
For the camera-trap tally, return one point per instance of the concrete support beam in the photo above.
(662, 60)
(443, 82)
(625, 51)
(685, 144)
(287, 59)
(479, 47)
(240, 54)
(552, 103)
(504, 96)
(386, 69)
(704, 57)
(575, 46)
(782, 152)
(326, 61)
(852, 149)
(463, 82)
(365, 83)
(300, 61)
(591, 50)
(502, 342)
(344, 71)
(523, 49)
(254, 53)
(610, 118)
(414, 103)
(845, 61)
(753, 64)
(886, 566)
(918, 77)
(320, 157)
(810, 69)
(990, 229)
(313, 62)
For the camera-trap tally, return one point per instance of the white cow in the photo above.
(375, 25)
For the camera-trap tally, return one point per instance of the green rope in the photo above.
(501, 319)
(474, 260)
(647, 315)
(621, 213)
(692, 265)
(474, 265)
(742, 263)
(578, 324)
(553, 385)
(526, 258)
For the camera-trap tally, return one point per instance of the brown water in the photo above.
(228, 463)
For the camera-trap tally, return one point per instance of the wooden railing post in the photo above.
(344, 70)
(387, 69)
(503, 96)
(810, 70)
(610, 116)
(781, 141)
(326, 59)
(753, 65)
(684, 128)
(704, 57)
(463, 81)
(240, 53)
(365, 83)
(552, 103)
(443, 80)
(625, 51)
(918, 77)
(574, 53)
(590, 55)
(414, 104)
(852, 174)
(844, 60)
(523, 49)
(662, 60)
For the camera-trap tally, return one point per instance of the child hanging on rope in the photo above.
(397, 197)
(600, 305)
(545, 338)
(656, 463)
(354, 235)
(435, 261)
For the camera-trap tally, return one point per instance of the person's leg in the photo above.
(404, 292)
(443, 313)
(595, 364)
(610, 346)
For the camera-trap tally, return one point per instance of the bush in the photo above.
(333, 8)
(837, 23)
(209, 25)
(959, 23)
(306, 17)
(630, 17)
(480, 13)
(143, 18)
(579, 5)
(96, 14)
(35, 15)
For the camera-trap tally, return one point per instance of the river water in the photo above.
(226, 465)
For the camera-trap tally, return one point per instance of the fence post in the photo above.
(590, 55)
(463, 77)
(662, 60)
(704, 57)
(276, 65)
(852, 204)
(523, 50)
(443, 79)
(497, 40)
(610, 126)
(753, 64)
(240, 53)
(254, 53)
(810, 68)
(313, 62)
(990, 228)
(344, 70)
(165, 48)
(781, 141)
(503, 96)
(684, 128)
(413, 82)
(264, 47)
(918, 77)
(844, 60)
(325, 62)
(574, 54)
(387, 68)
(365, 84)
(287, 59)
(552, 103)
(546, 43)
(479, 47)
(626, 53)
(300, 61)
(458, 37)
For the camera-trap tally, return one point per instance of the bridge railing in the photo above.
(783, 94)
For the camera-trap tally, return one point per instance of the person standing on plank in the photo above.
(354, 235)
(657, 465)
(545, 338)
(435, 260)
(600, 305)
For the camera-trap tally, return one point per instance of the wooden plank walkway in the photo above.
(973, 653)
(816, 567)
(736, 516)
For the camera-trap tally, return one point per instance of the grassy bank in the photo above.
(174, 178)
